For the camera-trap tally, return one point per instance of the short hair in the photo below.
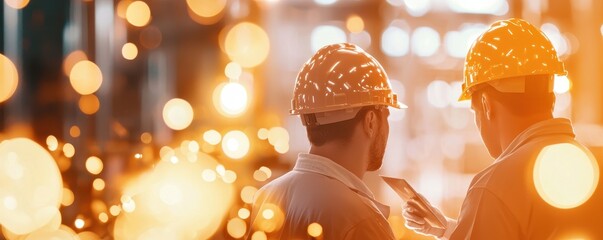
(537, 99)
(318, 135)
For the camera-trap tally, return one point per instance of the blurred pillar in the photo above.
(16, 110)
(104, 47)
(587, 73)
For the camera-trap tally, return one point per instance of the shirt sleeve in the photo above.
(485, 216)
(370, 228)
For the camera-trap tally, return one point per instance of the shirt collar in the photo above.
(307, 162)
(553, 126)
(324, 166)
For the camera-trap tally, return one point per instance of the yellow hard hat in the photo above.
(510, 48)
(340, 77)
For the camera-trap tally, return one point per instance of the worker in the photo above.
(508, 76)
(342, 95)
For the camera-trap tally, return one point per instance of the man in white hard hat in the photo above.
(524, 194)
(342, 95)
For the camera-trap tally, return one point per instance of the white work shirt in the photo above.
(503, 203)
(320, 190)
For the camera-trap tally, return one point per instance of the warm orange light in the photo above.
(177, 114)
(206, 12)
(68, 197)
(244, 213)
(9, 78)
(79, 223)
(52, 142)
(122, 8)
(259, 235)
(247, 194)
(98, 184)
(68, 150)
(94, 165)
(73, 58)
(247, 44)
(314, 229)
(235, 144)
(129, 51)
(17, 4)
(138, 13)
(74, 131)
(146, 138)
(85, 77)
(355, 24)
(565, 175)
(236, 227)
(103, 217)
(212, 137)
(89, 104)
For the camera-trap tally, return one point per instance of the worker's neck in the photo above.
(513, 125)
(344, 154)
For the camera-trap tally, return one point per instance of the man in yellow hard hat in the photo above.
(342, 95)
(509, 73)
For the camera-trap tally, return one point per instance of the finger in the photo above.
(414, 218)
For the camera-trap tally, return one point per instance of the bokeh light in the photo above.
(417, 8)
(232, 100)
(71, 59)
(438, 93)
(247, 44)
(314, 229)
(177, 114)
(235, 144)
(138, 13)
(94, 165)
(9, 78)
(206, 8)
(68, 150)
(89, 104)
(272, 218)
(562, 84)
(354, 24)
(457, 43)
(247, 194)
(325, 35)
(74, 131)
(233, 70)
(557, 39)
(236, 227)
(395, 41)
(79, 223)
(495, 7)
(174, 193)
(129, 51)
(16, 4)
(212, 137)
(85, 77)
(259, 235)
(565, 175)
(32, 186)
(68, 197)
(146, 138)
(325, 2)
(263, 133)
(425, 41)
(52, 142)
(122, 8)
(98, 184)
(244, 213)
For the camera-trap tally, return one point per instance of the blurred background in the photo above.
(165, 116)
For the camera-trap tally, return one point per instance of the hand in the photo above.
(415, 218)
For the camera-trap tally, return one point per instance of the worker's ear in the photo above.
(487, 106)
(370, 123)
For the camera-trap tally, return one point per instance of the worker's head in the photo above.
(509, 71)
(341, 90)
